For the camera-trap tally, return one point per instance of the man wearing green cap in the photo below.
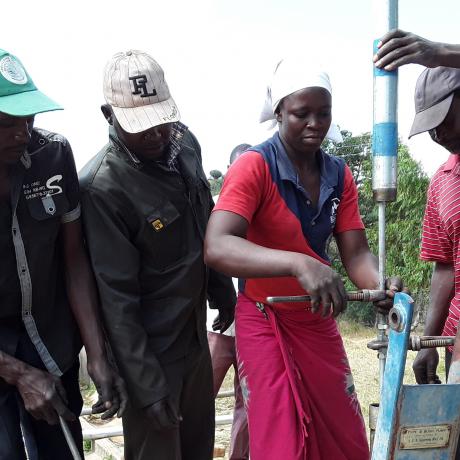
(44, 270)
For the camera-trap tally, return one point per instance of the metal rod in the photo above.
(69, 439)
(366, 295)
(416, 343)
(382, 245)
(222, 394)
(93, 434)
(381, 318)
(225, 394)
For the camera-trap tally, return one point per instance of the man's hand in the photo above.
(43, 395)
(398, 48)
(223, 320)
(110, 388)
(392, 285)
(425, 365)
(163, 414)
(324, 286)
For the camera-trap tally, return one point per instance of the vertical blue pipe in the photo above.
(385, 126)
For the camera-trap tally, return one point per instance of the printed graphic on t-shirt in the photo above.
(40, 189)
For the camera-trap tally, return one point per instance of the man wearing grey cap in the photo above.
(437, 106)
(146, 203)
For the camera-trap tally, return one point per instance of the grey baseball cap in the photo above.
(434, 92)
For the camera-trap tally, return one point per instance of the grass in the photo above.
(87, 446)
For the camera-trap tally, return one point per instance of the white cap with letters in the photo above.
(136, 89)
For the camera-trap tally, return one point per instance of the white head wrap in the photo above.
(292, 75)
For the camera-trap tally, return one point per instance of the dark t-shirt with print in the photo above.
(45, 188)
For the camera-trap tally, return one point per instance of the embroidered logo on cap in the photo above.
(13, 71)
(140, 86)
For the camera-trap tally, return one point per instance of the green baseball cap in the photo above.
(18, 94)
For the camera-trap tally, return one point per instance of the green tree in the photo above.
(215, 180)
(403, 217)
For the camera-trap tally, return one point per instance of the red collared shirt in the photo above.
(441, 229)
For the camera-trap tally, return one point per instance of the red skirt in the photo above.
(297, 386)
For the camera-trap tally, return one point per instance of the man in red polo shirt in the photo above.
(437, 105)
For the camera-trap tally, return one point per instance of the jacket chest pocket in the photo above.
(165, 235)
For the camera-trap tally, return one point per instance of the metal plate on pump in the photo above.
(427, 424)
(425, 436)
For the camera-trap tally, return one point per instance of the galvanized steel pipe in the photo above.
(385, 127)
(384, 146)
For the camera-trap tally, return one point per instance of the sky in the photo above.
(218, 57)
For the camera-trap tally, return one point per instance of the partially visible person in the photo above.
(47, 293)
(146, 203)
(397, 48)
(223, 356)
(280, 203)
(437, 107)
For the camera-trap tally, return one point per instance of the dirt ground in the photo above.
(365, 364)
(224, 406)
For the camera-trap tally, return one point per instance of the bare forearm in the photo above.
(441, 292)
(240, 258)
(360, 264)
(11, 369)
(84, 304)
(363, 271)
(449, 55)
(435, 319)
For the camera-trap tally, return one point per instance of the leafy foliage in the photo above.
(403, 217)
(215, 180)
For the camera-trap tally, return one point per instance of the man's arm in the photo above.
(42, 393)
(116, 264)
(83, 299)
(398, 48)
(441, 293)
